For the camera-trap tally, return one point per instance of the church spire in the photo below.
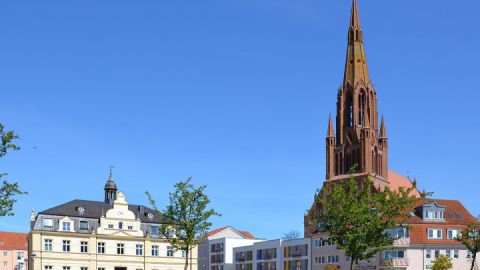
(356, 69)
(383, 130)
(330, 133)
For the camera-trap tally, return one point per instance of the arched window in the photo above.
(120, 225)
(362, 104)
(350, 111)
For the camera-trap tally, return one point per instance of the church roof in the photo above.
(397, 181)
(95, 209)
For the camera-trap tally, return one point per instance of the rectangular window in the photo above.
(5, 264)
(130, 227)
(101, 248)
(66, 226)
(139, 250)
(428, 254)
(101, 268)
(47, 267)
(19, 256)
(155, 250)
(469, 254)
(66, 268)
(437, 253)
(394, 254)
(448, 253)
(169, 251)
(453, 233)
(154, 230)
(83, 268)
(47, 222)
(84, 247)
(5, 253)
(435, 234)
(83, 224)
(455, 254)
(110, 226)
(47, 244)
(66, 246)
(120, 249)
(184, 254)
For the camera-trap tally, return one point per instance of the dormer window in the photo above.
(433, 211)
(66, 226)
(150, 215)
(48, 222)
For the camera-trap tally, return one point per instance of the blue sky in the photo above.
(235, 93)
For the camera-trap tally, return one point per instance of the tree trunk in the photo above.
(474, 256)
(186, 259)
(351, 263)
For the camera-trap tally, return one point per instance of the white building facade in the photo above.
(109, 235)
(215, 252)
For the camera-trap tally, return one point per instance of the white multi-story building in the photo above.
(108, 235)
(274, 255)
(215, 251)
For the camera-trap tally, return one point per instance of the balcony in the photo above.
(396, 262)
(402, 242)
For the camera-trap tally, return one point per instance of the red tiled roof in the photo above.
(419, 228)
(245, 233)
(13, 241)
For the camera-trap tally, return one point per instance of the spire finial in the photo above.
(111, 169)
(330, 133)
(383, 130)
(355, 19)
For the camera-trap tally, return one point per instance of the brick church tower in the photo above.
(358, 140)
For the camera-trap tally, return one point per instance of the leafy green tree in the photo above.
(186, 216)
(470, 237)
(356, 216)
(8, 191)
(442, 263)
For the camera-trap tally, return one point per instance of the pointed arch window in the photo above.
(362, 103)
(350, 112)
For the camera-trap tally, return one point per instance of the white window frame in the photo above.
(66, 226)
(155, 250)
(83, 246)
(139, 249)
(66, 246)
(436, 233)
(47, 244)
(47, 222)
(170, 251)
(101, 247)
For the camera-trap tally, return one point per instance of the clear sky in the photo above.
(235, 93)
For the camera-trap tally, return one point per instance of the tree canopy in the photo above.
(357, 216)
(470, 237)
(8, 191)
(186, 217)
(442, 263)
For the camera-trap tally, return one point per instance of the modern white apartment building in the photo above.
(108, 235)
(215, 252)
(274, 255)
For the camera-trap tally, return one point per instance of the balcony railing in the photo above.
(395, 262)
(402, 242)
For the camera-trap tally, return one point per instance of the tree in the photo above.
(186, 217)
(470, 237)
(442, 263)
(356, 216)
(8, 191)
(293, 234)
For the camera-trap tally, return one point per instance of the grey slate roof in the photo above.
(94, 209)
